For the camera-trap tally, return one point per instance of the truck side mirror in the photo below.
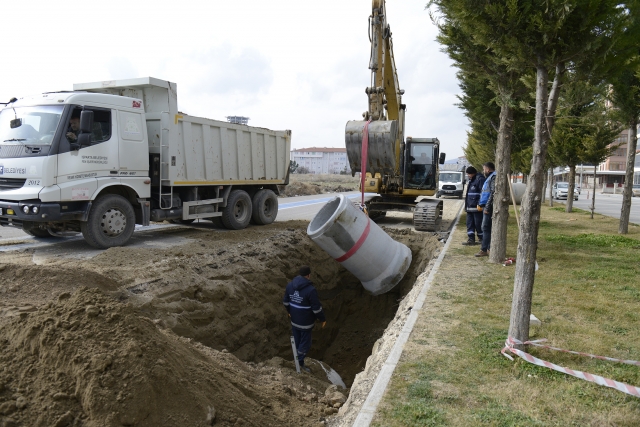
(86, 121)
(443, 156)
(84, 139)
(15, 123)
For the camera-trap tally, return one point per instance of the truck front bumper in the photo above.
(13, 213)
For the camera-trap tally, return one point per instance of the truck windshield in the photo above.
(450, 177)
(29, 125)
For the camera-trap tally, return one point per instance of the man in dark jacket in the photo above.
(486, 206)
(471, 201)
(302, 302)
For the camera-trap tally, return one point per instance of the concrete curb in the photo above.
(370, 405)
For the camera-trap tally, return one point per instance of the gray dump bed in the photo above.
(199, 151)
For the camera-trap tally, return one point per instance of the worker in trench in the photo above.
(304, 308)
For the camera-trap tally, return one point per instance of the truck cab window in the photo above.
(101, 129)
(101, 125)
(420, 166)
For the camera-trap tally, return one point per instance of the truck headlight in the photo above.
(25, 209)
(35, 209)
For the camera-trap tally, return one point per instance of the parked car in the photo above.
(636, 190)
(561, 189)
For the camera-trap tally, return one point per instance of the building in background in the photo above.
(455, 164)
(238, 120)
(322, 160)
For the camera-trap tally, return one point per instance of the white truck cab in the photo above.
(113, 154)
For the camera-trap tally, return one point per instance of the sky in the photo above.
(286, 64)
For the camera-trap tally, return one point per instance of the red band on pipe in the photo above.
(358, 244)
(364, 157)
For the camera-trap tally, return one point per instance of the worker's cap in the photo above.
(471, 170)
(305, 270)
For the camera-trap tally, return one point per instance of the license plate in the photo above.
(448, 191)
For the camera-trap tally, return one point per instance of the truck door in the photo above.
(134, 150)
(79, 169)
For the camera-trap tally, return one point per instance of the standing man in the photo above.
(486, 207)
(471, 202)
(302, 302)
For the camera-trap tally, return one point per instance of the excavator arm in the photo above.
(385, 109)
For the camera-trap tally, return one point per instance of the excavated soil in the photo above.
(193, 334)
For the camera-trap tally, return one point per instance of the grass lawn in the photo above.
(587, 295)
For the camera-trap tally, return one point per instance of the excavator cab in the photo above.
(421, 157)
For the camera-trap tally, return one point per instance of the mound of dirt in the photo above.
(88, 360)
(300, 189)
(183, 328)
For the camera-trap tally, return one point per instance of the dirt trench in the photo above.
(224, 290)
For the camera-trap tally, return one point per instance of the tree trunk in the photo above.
(550, 179)
(593, 197)
(572, 186)
(632, 143)
(530, 219)
(544, 187)
(502, 198)
(552, 103)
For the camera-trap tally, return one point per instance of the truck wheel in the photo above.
(265, 207)
(237, 214)
(111, 222)
(39, 232)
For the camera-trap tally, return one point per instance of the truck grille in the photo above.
(10, 151)
(448, 187)
(11, 183)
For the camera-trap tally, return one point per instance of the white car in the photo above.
(561, 189)
(636, 190)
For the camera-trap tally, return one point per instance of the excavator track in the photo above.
(427, 215)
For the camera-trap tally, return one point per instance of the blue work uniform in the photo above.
(302, 302)
(471, 201)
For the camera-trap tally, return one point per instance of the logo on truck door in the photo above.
(137, 104)
(80, 194)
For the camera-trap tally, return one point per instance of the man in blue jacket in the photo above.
(486, 207)
(471, 201)
(302, 302)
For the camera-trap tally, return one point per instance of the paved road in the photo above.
(12, 239)
(609, 205)
(292, 208)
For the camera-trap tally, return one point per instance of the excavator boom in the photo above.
(400, 170)
(386, 111)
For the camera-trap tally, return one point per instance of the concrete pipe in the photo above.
(518, 191)
(363, 248)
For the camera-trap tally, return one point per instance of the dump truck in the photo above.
(112, 154)
(402, 171)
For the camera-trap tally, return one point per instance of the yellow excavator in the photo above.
(398, 169)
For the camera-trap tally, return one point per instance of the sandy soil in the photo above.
(170, 336)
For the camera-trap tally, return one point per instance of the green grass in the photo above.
(587, 294)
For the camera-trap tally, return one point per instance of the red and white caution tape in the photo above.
(625, 388)
(610, 359)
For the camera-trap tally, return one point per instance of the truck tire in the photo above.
(110, 223)
(39, 232)
(265, 207)
(237, 214)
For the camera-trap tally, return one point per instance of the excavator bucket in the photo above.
(381, 156)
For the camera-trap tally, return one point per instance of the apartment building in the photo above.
(322, 160)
